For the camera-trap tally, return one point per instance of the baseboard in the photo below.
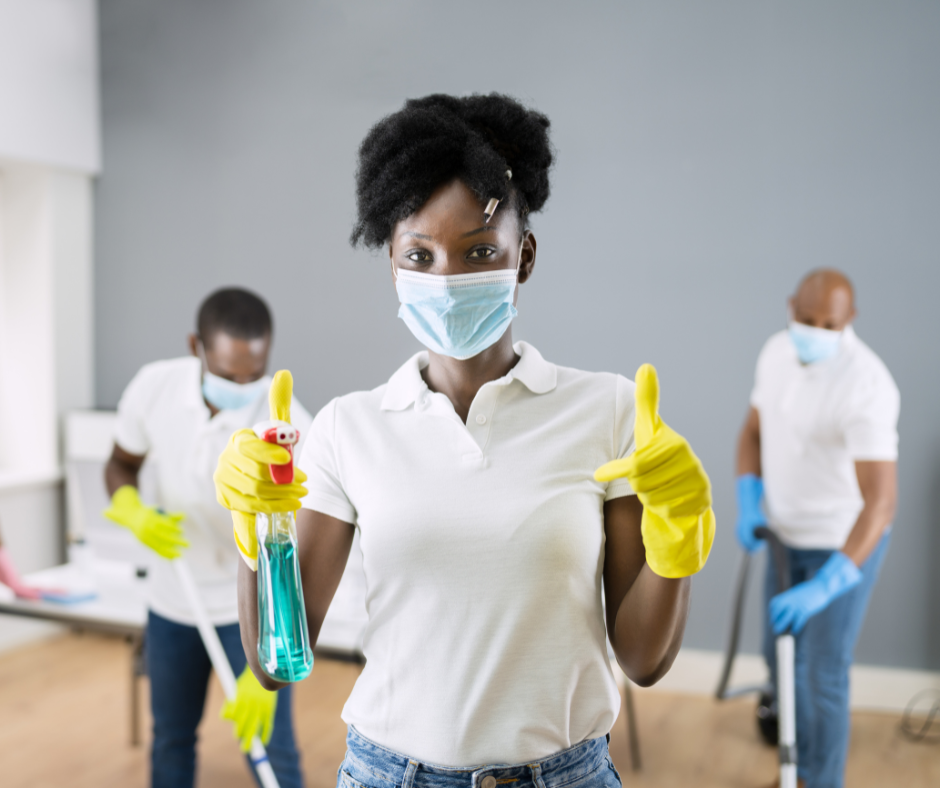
(873, 688)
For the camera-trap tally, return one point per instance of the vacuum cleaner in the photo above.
(776, 709)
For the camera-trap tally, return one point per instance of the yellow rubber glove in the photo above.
(160, 531)
(242, 479)
(678, 523)
(252, 711)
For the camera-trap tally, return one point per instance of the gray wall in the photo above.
(708, 155)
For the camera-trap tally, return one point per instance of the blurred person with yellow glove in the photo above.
(488, 540)
(177, 415)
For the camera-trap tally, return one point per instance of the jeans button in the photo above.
(489, 781)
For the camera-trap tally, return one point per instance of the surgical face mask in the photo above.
(814, 344)
(227, 394)
(457, 316)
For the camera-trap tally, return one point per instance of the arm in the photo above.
(323, 545)
(878, 482)
(749, 445)
(646, 613)
(122, 469)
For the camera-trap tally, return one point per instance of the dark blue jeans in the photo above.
(179, 669)
(824, 652)
(370, 765)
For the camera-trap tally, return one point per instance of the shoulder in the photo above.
(354, 406)
(606, 392)
(158, 377)
(777, 346)
(866, 369)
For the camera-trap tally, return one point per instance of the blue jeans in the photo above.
(824, 653)
(179, 669)
(369, 765)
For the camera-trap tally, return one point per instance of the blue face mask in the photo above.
(814, 344)
(226, 394)
(457, 316)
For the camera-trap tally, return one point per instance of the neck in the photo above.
(460, 381)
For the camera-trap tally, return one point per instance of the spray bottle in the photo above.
(283, 638)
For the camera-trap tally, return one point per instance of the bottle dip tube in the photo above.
(283, 638)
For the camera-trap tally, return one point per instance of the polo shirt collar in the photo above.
(406, 385)
(533, 371)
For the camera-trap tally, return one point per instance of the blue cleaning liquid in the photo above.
(283, 639)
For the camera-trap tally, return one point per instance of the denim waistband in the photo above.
(372, 765)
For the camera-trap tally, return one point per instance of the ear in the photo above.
(391, 263)
(193, 342)
(527, 261)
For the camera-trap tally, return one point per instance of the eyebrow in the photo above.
(422, 236)
(478, 230)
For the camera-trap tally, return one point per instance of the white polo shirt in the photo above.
(483, 548)
(816, 421)
(162, 415)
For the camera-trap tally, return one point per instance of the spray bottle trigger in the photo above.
(283, 434)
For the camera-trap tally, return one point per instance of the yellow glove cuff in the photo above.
(246, 538)
(125, 504)
(678, 547)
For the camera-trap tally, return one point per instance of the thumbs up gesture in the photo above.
(243, 480)
(678, 523)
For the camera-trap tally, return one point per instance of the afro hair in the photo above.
(435, 139)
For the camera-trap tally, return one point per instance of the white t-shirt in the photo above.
(162, 414)
(816, 421)
(483, 548)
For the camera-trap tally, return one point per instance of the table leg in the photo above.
(137, 671)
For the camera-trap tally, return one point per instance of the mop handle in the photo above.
(220, 663)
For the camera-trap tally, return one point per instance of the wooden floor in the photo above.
(64, 722)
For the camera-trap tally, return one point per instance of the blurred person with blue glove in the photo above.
(819, 449)
(177, 414)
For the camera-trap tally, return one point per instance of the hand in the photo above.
(678, 524)
(160, 531)
(795, 606)
(252, 711)
(243, 480)
(750, 489)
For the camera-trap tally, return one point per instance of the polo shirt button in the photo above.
(481, 419)
(489, 781)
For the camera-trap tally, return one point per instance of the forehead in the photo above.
(453, 209)
(824, 297)
(222, 344)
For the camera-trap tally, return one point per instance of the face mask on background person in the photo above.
(813, 344)
(460, 315)
(226, 394)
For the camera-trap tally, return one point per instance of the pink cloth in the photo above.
(10, 577)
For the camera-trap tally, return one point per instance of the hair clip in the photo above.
(489, 210)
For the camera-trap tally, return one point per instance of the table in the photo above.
(118, 609)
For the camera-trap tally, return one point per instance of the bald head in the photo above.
(824, 299)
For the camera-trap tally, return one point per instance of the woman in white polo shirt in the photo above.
(471, 478)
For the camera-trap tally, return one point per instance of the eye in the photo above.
(419, 256)
(481, 253)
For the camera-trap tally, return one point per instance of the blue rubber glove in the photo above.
(750, 491)
(794, 607)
